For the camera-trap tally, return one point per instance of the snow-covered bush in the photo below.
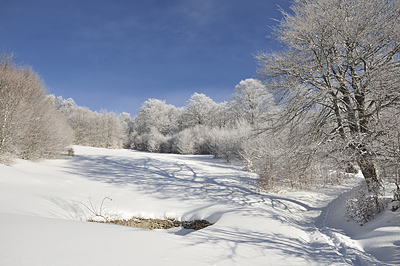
(259, 157)
(227, 143)
(201, 136)
(192, 140)
(364, 205)
(280, 164)
(184, 142)
(155, 141)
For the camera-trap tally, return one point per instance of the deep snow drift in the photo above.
(43, 217)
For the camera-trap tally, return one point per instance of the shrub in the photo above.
(155, 140)
(70, 152)
(364, 205)
(184, 142)
(228, 143)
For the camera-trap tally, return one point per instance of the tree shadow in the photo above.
(178, 178)
(232, 240)
(200, 177)
(166, 176)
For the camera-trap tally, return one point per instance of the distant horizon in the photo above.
(114, 55)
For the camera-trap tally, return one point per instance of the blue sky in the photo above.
(115, 54)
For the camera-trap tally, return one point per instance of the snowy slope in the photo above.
(43, 220)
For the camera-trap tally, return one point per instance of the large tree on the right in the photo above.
(338, 67)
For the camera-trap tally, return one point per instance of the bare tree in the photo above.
(13, 108)
(30, 125)
(339, 68)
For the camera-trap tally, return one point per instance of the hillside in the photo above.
(43, 215)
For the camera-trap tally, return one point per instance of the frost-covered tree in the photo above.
(127, 127)
(339, 69)
(30, 125)
(63, 104)
(154, 124)
(199, 110)
(80, 119)
(156, 114)
(113, 130)
(96, 129)
(221, 116)
(252, 102)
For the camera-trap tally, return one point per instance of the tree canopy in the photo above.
(339, 65)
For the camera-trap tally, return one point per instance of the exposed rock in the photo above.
(196, 224)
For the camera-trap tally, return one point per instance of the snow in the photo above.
(43, 217)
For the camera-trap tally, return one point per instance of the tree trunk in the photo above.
(368, 169)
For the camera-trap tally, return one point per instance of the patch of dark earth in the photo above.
(148, 223)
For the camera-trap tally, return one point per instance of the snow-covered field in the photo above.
(43, 217)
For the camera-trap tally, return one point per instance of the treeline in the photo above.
(203, 126)
(96, 129)
(199, 127)
(243, 128)
(30, 125)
